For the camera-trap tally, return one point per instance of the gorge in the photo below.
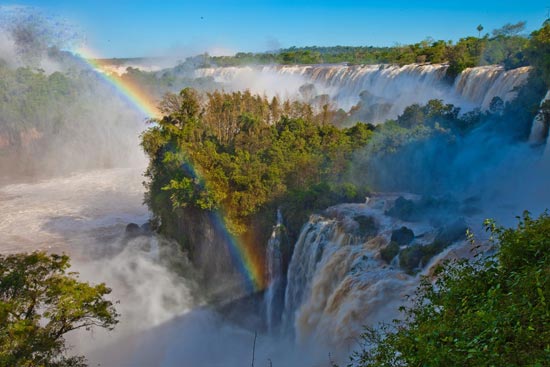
(265, 221)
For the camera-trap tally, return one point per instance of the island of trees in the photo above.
(245, 156)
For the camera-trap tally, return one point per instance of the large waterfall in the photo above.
(481, 84)
(338, 280)
(385, 89)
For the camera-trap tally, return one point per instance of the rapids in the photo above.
(164, 319)
(68, 212)
(337, 280)
(539, 130)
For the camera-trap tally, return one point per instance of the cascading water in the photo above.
(382, 90)
(337, 279)
(481, 84)
(274, 293)
(85, 215)
(539, 129)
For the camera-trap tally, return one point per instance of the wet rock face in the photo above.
(356, 264)
(389, 252)
(133, 230)
(416, 256)
(411, 257)
(205, 237)
(368, 227)
(402, 236)
(437, 210)
(403, 209)
(452, 232)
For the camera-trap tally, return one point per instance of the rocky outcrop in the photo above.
(209, 245)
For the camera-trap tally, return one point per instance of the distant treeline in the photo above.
(506, 46)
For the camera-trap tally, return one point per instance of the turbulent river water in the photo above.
(336, 279)
(163, 318)
(164, 321)
(66, 213)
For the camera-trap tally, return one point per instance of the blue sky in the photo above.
(129, 28)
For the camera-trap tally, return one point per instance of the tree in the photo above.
(539, 50)
(479, 29)
(489, 312)
(509, 29)
(40, 302)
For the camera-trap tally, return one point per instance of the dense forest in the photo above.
(245, 156)
(38, 125)
(249, 154)
(505, 46)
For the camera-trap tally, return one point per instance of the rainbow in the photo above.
(246, 260)
(249, 264)
(127, 88)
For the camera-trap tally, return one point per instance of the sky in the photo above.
(134, 28)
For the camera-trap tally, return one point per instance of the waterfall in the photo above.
(539, 129)
(337, 281)
(383, 91)
(273, 297)
(481, 84)
(308, 252)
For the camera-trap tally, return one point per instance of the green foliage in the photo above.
(509, 29)
(420, 150)
(466, 54)
(505, 47)
(538, 52)
(45, 118)
(39, 303)
(506, 50)
(479, 29)
(28, 97)
(489, 312)
(245, 155)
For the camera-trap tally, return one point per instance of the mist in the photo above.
(72, 173)
(499, 174)
(72, 181)
(57, 115)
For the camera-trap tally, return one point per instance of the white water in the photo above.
(337, 281)
(85, 215)
(385, 85)
(539, 130)
(481, 84)
(162, 320)
(274, 267)
(65, 213)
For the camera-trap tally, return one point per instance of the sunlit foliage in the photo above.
(40, 302)
(241, 153)
(490, 312)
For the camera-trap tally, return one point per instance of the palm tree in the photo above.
(479, 29)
